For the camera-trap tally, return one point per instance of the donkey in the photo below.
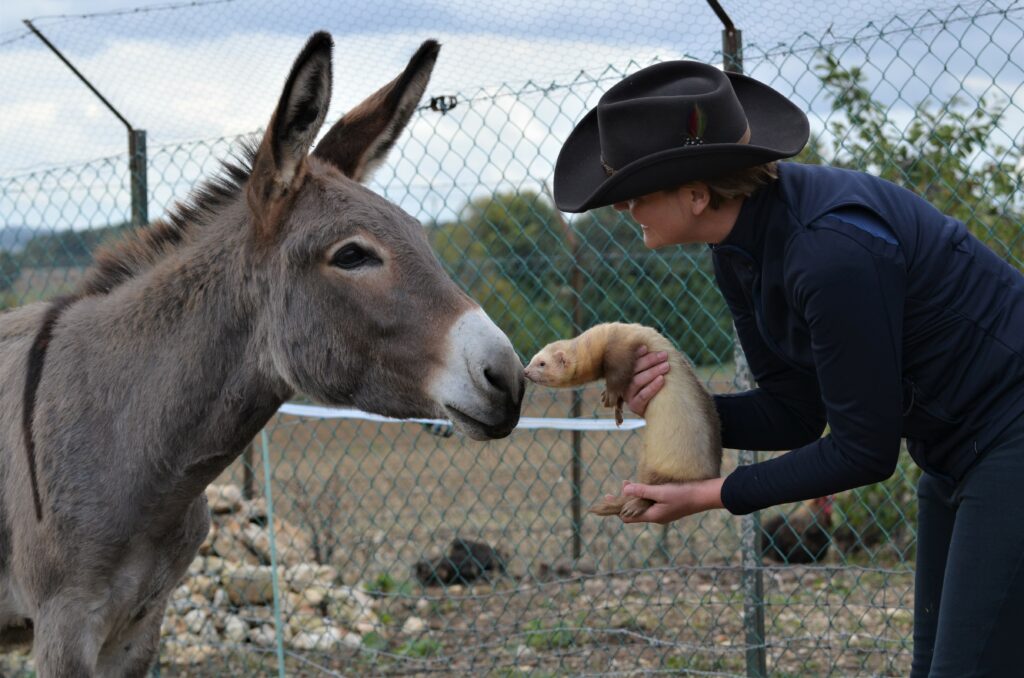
(120, 403)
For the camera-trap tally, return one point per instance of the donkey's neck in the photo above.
(165, 376)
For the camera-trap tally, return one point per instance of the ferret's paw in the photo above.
(609, 506)
(635, 506)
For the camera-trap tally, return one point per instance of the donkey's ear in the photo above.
(280, 161)
(360, 141)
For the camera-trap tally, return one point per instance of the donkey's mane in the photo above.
(141, 248)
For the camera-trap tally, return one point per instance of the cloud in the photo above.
(523, 78)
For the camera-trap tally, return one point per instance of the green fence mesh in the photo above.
(353, 546)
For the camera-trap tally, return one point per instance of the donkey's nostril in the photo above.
(495, 380)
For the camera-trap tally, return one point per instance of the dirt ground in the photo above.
(819, 621)
(381, 497)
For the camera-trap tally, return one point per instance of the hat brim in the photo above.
(778, 129)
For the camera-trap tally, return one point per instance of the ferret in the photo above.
(683, 439)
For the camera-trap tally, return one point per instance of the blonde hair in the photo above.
(742, 183)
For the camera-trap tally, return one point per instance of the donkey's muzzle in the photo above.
(481, 385)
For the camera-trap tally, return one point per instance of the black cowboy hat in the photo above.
(669, 124)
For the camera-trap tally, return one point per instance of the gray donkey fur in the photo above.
(284, 275)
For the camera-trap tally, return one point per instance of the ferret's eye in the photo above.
(353, 256)
(542, 363)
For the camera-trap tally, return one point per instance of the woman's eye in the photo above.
(353, 256)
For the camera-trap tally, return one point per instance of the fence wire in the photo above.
(351, 547)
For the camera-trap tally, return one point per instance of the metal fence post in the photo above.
(136, 137)
(750, 549)
(137, 176)
(576, 409)
(750, 525)
(278, 596)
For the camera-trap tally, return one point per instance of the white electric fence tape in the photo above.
(568, 424)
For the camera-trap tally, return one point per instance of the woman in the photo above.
(858, 305)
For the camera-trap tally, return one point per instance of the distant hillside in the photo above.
(14, 238)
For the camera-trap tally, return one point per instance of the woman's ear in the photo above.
(698, 197)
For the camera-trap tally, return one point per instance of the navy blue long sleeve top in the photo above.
(859, 305)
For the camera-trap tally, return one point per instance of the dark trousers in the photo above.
(969, 583)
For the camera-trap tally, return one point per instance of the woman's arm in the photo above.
(852, 298)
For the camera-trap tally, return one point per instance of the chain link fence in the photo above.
(352, 546)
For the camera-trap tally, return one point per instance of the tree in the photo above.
(9, 270)
(946, 154)
(511, 252)
(508, 252)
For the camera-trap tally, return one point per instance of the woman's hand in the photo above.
(673, 501)
(648, 378)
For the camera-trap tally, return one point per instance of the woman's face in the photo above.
(682, 215)
(664, 217)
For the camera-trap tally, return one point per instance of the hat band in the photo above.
(744, 139)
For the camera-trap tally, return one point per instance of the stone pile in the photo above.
(227, 597)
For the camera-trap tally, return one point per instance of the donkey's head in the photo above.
(361, 312)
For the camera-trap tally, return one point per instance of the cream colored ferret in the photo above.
(683, 437)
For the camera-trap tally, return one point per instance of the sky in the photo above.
(13, 11)
(195, 77)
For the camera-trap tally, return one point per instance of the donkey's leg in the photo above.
(66, 643)
(132, 654)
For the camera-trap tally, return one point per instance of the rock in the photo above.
(365, 627)
(263, 636)
(327, 639)
(257, 615)
(230, 545)
(235, 630)
(191, 600)
(291, 603)
(202, 585)
(343, 608)
(422, 605)
(197, 566)
(220, 598)
(293, 546)
(249, 584)
(255, 510)
(213, 565)
(188, 653)
(585, 566)
(300, 577)
(231, 525)
(224, 498)
(326, 575)
(207, 545)
(414, 625)
(315, 595)
(353, 641)
(196, 620)
(306, 622)
(173, 625)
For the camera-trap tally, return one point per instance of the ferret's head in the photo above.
(551, 366)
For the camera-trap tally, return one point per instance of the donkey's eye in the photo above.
(353, 256)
